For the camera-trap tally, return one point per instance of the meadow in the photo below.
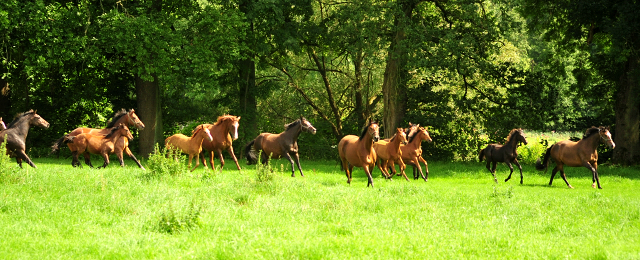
(57, 211)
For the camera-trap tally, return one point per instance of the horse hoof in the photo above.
(570, 187)
(505, 180)
(521, 182)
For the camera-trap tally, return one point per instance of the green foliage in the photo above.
(264, 172)
(8, 169)
(165, 162)
(173, 222)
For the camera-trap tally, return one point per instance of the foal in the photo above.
(189, 145)
(389, 153)
(506, 153)
(412, 152)
(87, 144)
(224, 131)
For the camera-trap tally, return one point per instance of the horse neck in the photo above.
(415, 143)
(199, 136)
(293, 133)
(592, 141)
(367, 141)
(512, 144)
(22, 126)
(125, 120)
(223, 126)
(396, 144)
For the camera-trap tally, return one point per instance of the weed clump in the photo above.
(172, 222)
(8, 170)
(163, 162)
(264, 173)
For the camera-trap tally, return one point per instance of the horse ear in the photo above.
(238, 118)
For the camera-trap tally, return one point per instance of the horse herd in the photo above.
(366, 151)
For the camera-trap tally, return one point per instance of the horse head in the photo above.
(402, 135)
(412, 130)
(521, 137)
(134, 120)
(374, 130)
(424, 135)
(306, 125)
(205, 130)
(233, 127)
(124, 131)
(605, 136)
(36, 120)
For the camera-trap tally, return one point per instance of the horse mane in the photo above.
(224, 118)
(364, 131)
(410, 138)
(117, 117)
(113, 131)
(591, 131)
(292, 124)
(512, 133)
(195, 131)
(19, 116)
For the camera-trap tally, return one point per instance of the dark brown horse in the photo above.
(506, 153)
(224, 131)
(359, 152)
(16, 134)
(582, 153)
(280, 145)
(87, 144)
(129, 118)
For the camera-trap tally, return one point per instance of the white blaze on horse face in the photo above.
(208, 134)
(610, 142)
(2, 126)
(235, 130)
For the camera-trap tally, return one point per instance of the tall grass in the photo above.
(62, 212)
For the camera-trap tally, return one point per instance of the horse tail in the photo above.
(250, 153)
(545, 162)
(68, 139)
(56, 145)
(481, 155)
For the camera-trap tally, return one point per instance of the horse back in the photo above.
(572, 153)
(382, 149)
(271, 144)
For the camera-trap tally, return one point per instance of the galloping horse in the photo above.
(129, 118)
(389, 153)
(224, 131)
(87, 144)
(506, 153)
(16, 134)
(412, 152)
(576, 154)
(189, 145)
(358, 151)
(280, 145)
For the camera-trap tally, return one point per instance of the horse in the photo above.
(87, 144)
(506, 153)
(280, 145)
(127, 117)
(16, 135)
(189, 145)
(412, 152)
(224, 131)
(358, 151)
(577, 154)
(389, 153)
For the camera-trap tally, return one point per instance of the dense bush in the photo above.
(165, 161)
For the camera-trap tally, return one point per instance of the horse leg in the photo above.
(105, 157)
(594, 173)
(197, 161)
(553, 174)
(426, 167)
(381, 166)
(402, 167)
(519, 167)
(119, 155)
(23, 156)
(564, 177)
(489, 168)
(130, 154)
(204, 159)
(510, 168)
(350, 173)
(233, 156)
(417, 164)
(87, 159)
(293, 167)
(368, 172)
(297, 158)
(345, 166)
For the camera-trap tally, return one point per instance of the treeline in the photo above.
(470, 70)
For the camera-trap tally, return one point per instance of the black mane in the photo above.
(591, 131)
(113, 131)
(364, 131)
(18, 117)
(512, 133)
(292, 124)
(117, 117)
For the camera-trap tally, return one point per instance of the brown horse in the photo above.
(189, 145)
(16, 135)
(506, 153)
(412, 152)
(280, 145)
(389, 153)
(224, 131)
(577, 154)
(129, 118)
(359, 152)
(87, 144)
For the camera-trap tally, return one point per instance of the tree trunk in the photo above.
(247, 96)
(627, 128)
(360, 108)
(149, 111)
(5, 99)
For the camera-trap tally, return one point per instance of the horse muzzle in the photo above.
(376, 138)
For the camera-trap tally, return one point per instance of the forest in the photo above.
(470, 70)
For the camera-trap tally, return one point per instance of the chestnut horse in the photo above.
(189, 145)
(280, 145)
(388, 153)
(506, 153)
(359, 152)
(87, 144)
(16, 135)
(412, 152)
(224, 131)
(129, 118)
(576, 154)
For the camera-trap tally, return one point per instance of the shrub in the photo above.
(265, 172)
(172, 222)
(8, 169)
(167, 161)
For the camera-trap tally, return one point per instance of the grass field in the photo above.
(60, 212)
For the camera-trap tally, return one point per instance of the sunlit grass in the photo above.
(57, 211)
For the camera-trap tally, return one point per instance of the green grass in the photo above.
(56, 211)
